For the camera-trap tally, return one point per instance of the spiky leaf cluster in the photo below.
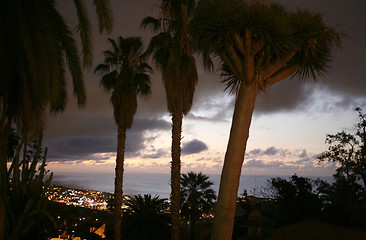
(126, 74)
(282, 42)
(172, 51)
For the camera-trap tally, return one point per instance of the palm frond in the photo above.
(108, 81)
(318, 43)
(143, 84)
(104, 14)
(151, 22)
(84, 29)
(36, 49)
(125, 74)
(232, 83)
(73, 62)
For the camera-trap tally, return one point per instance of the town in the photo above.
(79, 197)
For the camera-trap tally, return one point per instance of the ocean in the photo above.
(151, 183)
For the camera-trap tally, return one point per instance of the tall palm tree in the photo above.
(260, 44)
(36, 49)
(197, 197)
(146, 218)
(172, 53)
(125, 74)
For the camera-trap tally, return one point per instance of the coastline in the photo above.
(151, 183)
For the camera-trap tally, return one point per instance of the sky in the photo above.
(289, 125)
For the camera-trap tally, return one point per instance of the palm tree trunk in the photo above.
(234, 157)
(177, 118)
(193, 227)
(118, 183)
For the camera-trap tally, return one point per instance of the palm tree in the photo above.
(172, 53)
(36, 49)
(146, 218)
(259, 44)
(197, 197)
(125, 74)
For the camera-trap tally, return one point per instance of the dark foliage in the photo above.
(297, 198)
(345, 199)
(26, 215)
(198, 198)
(146, 218)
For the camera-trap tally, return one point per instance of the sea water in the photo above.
(153, 183)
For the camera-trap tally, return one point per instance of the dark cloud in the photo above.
(73, 145)
(149, 124)
(285, 96)
(346, 76)
(78, 148)
(194, 146)
(79, 124)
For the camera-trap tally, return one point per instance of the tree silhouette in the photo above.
(297, 198)
(36, 49)
(259, 44)
(172, 52)
(197, 198)
(125, 74)
(345, 198)
(146, 218)
(349, 151)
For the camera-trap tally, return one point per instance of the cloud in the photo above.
(149, 124)
(157, 154)
(270, 151)
(78, 148)
(194, 146)
(263, 164)
(74, 145)
(303, 154)
(254, 164)
(285, 161)
(287, 95)
(192, 116)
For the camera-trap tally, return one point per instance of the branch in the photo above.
(273, 67)
(227, 60)
(281, 74)
(236, 63)
(258, 46)
(238, 41)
